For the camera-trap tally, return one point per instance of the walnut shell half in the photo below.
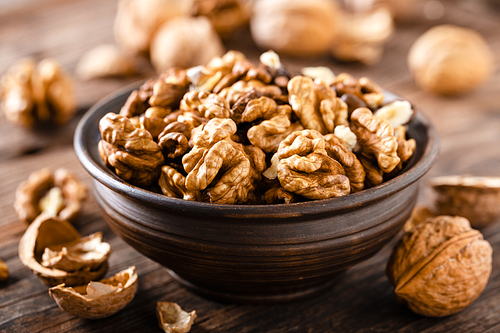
(476, 198)
(54, 251)
(100, 299)
(440, 266)
(172, 319)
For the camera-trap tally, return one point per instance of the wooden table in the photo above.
(363, 301)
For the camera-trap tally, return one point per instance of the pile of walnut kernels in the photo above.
(231, 132)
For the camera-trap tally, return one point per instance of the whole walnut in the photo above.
(295, 27)
(136, 21)
(185, 42)
(440, 266)
(450, 60)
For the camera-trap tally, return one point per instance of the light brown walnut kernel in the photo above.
(173, 184)
(337, 149)
(131, 151)
(440, 266)
(207, 104)
(373, 174)
(56, 193)
(364, 88)
(333, 110)
(376, 138)
(302, 98)
(476, 198)
(277, 195)
(406, 148)
(306, 169)
(172, 319)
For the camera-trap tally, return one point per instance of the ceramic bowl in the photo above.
(254, 253)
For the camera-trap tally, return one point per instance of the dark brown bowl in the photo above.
(254, 253)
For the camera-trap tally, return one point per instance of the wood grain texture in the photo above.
(362, 301)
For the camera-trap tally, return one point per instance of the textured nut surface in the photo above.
(476, 198)
(130, 150)
(449, 60)
(4, 271)
(185, 42)
(173, 184)
(103, 61)
(33, 94)
(375, 136)
(440, 266)
(172, 319)
(301, 28)
(57, 193)
(53, 233)
(97, 299)
(306, 169)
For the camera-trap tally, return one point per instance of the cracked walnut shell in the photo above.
(440, 266)
(97, 299)
(172, 319)
(476, 198)
(54, 251)
(56, 193)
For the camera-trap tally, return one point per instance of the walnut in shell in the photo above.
(4, 271)
(225, 15)
(54, 251)
(300, 28)
(362, 35)
(476, 198)
(449, 60)
(137, 21)
(172, 319)
(97, 299)
(32, 94)
(440, 266)
(185, 42)
(57, 193)
(104, 61)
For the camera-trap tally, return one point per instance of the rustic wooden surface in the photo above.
(469, 127)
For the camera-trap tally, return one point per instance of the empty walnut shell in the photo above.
(172, 319)
(100, 299)
(476, 198)
(54, 251)
(440, 266)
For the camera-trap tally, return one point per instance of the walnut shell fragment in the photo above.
(53, 250)
(97, 299)
(4, 271)
(57, 193)
(476, 198)
(440, 266)
(172, 319)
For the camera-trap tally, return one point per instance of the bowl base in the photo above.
(255, 298)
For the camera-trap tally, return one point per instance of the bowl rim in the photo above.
(120, 186)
